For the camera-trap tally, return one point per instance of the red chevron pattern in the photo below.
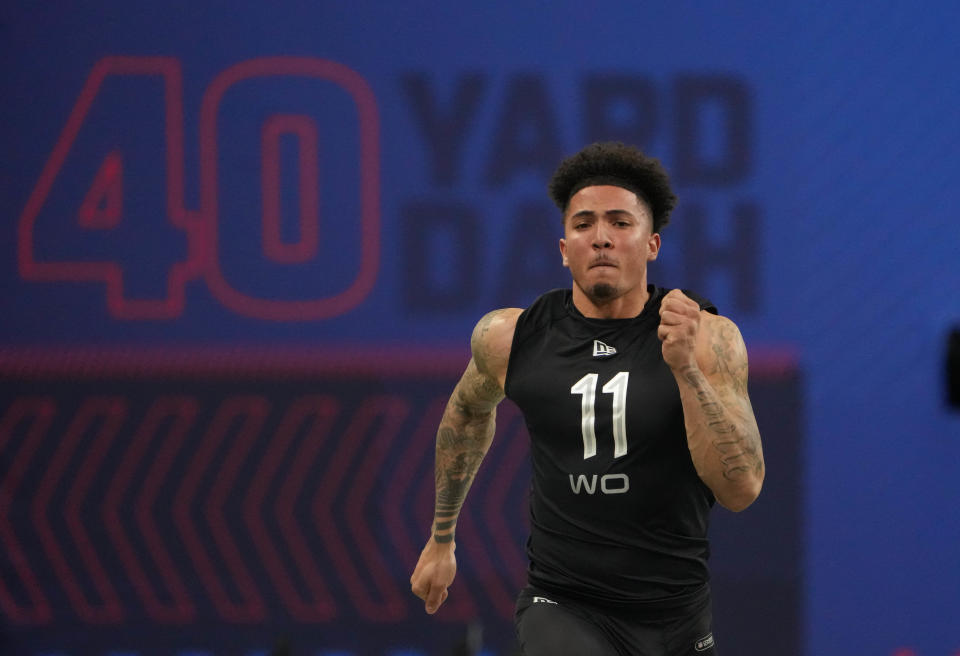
(251, 411)
(317, 414)
(97, 421)
(245, 507)
(183, 412)
(40, 412)
(381, 417)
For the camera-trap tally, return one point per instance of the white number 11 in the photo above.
(586, 387)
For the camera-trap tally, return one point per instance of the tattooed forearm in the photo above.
(735, 441)
(459, 453)
(442, 526)
(722, 432)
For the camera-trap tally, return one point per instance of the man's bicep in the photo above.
(723, 357)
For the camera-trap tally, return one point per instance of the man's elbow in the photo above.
(742, 496)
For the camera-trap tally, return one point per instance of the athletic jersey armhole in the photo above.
(534, 318)
(514, 343)
(705, 304)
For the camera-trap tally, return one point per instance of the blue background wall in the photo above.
(814, 148)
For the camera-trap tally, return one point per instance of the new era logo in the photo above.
(601, 350)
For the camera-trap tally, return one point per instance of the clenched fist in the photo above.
(434, 574)
(679, 327)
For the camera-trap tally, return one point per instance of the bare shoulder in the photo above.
(721, 351)
(491, 341)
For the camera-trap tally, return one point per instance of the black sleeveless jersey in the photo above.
(618, 515)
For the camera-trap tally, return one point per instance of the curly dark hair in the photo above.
(617, 164)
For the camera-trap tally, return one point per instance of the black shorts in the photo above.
(550, 626)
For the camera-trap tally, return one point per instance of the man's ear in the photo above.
(563, 252)
(653, 246)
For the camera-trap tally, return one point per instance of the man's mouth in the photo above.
(603, 263)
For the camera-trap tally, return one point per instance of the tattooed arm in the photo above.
(709, 361)
(463, 438)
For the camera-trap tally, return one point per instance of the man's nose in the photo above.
(601, 236)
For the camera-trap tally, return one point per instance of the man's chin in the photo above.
(602, 292)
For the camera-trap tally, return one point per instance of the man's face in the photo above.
(608, 241)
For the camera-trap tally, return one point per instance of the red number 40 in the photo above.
(104, 206)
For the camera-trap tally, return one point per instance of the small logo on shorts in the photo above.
(543, 600)
(704, 643)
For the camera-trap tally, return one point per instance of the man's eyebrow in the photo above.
(585, 213)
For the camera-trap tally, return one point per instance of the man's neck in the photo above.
(625, 306)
